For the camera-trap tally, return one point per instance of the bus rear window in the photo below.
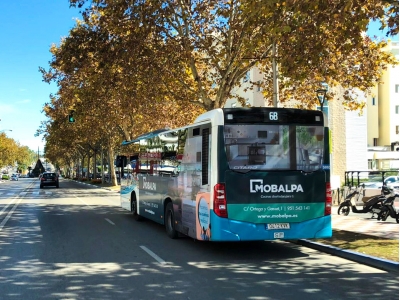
(274, 147)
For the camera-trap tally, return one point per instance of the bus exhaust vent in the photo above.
(205, 155)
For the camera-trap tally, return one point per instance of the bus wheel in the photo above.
(134, 209)
(169, 221)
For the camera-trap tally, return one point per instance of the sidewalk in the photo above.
(362, 223)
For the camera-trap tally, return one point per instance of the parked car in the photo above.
(390, 180)
(14, 177)
(5, 177)
(49, 179)
(374, 187)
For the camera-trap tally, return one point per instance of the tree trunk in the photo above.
(94, 166)
(88, 168)
(111, 165)
(102, 164)
(83, 166)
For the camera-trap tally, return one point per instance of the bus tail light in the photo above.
(328, 199)
(220, 208)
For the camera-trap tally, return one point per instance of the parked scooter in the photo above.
(344, 207)
(372, 205)
(388, 208)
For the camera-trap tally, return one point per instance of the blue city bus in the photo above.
(235, 174)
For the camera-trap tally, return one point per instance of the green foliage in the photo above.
(11, 153)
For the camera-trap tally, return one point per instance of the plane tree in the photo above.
(11, 153)
(106, 95)
(207, 46)
(134, 66)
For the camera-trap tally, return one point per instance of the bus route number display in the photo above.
(273, 116)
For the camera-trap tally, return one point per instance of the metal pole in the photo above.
(275, 98)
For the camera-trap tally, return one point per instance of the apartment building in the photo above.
(360, 140)
(384, 119)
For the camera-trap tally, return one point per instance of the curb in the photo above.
(379, 263)
(92, 185)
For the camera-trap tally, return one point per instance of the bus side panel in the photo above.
(152, 192)
(194, 183)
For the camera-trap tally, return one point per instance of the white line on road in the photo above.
(153, 255)
(109, 221)
(9, 215)
(83, 201)
(1, 212)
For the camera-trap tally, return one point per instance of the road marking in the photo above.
(9, 215)
(13, 208)
(153, 255)
(83, 201)
(1, 212)
(109, 221)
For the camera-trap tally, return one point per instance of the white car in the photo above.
(374, 187)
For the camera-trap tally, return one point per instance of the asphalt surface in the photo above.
(356, 223)
(360, 223)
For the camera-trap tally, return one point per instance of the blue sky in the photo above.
(29, 28)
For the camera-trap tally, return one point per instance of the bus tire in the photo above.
(170, 221)
(135, 214)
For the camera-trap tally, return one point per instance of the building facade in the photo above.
(383, 118)
(361, 140)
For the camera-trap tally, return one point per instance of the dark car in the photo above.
(49, 179)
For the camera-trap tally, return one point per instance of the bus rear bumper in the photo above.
(231, 230)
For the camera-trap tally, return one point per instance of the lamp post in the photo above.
(321, 95)
(1, 131)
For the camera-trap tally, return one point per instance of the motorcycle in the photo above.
(388, 208)
(372, 205)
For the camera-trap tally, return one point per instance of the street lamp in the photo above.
(321, 95)
(1, 131)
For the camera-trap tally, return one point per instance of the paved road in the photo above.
(76, 243)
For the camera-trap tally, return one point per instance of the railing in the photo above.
(350, 176)
(339, 194)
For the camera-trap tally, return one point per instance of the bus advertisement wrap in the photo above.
(234, 174)
(275, 213)
(275, 198)
(203, 228)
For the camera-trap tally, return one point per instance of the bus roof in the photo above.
(145, 136)
(217, 117)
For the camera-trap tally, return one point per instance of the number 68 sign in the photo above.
(273, 116)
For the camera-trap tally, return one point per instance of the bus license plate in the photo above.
(278, 226)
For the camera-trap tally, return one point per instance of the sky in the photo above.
(29, 28)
